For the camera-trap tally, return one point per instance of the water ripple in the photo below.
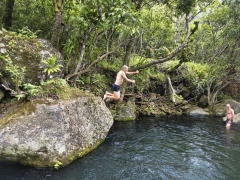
(154, 149)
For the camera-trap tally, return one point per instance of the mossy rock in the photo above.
(28, 53)
(125, 112)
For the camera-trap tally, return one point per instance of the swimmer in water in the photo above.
(230, 115)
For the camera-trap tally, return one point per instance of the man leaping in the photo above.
(121, 76)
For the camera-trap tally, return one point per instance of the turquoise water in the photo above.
(152, 148)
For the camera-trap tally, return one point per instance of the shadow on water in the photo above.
(152, 148)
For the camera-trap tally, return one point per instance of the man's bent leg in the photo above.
(116, 95)
(108, 93)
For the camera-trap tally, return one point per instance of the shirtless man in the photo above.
(119, 80)
(230, 115)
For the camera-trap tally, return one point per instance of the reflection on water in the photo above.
(150, 148)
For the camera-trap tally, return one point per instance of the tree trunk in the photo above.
(83, 50)
(58, 7)
(213, 91)
(129, 51)
(56, 29)
(123, 90)
(127, 62)
(7, 18)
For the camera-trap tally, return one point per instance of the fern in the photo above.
(32, 89)
(52, 66)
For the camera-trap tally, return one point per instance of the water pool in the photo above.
(180, 147)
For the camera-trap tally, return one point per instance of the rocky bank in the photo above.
(53, 135)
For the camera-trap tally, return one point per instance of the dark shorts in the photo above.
(229, 121)
(116, 88)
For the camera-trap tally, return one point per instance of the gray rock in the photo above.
(220, 108)
(28, 54)
(2, 45)
(1, 94)
(55, 133)
(198, 112)
(203, 101)
(234, 104)
(236, 118)
(125, 112)
(3, 51)
(185, 92)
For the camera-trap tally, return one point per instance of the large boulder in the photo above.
(203, 101)
(236, 118)
(220, 108)
(24, 52)
(185, 92)
(234, 104)
(43, 135)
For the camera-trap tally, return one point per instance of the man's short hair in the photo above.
(125, 67)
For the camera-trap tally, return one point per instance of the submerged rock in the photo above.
(198, 112)
(42, 135)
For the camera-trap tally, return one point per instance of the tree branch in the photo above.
(172, 55)
(89, 67)
(96, 61)
(12, 92)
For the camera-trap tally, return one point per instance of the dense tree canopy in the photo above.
(140, 33)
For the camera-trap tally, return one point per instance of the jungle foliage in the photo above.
(99, 36)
